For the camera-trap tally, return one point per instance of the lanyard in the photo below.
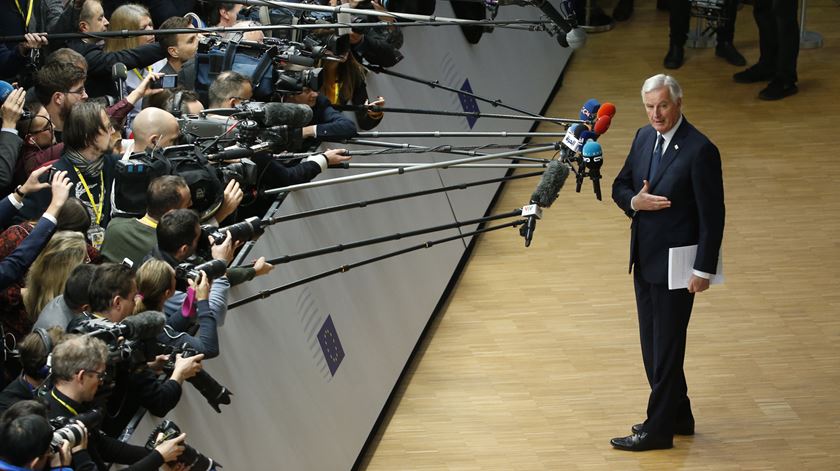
(336, 89)
(139, 75)
(28, 12)
(66, 405)
(97, 210)
(146, 220)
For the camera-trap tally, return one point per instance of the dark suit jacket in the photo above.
(13, 267)
(690, 177)
(10, 145)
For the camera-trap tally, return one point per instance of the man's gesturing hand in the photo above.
(645, 201)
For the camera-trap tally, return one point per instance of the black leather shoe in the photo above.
(777, 90)
(681, 429)
(674, 58)
(753, 74)
(642, 442)
(728, 52)
(623, 10)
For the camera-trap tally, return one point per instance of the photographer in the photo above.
(89, 163)
(133, 238)
(25, 444)
(78, 369)
(33, 351)
(75, 300)
(156, 280)
(380, 45)
(113, 297)
(327, 122)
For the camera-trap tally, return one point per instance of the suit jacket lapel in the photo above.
(671, 153)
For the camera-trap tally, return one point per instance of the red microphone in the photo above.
(602, 124)
(606, 109)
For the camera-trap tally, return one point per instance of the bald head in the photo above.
(154, 127)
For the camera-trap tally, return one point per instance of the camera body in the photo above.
(194, 460)
(70, 428)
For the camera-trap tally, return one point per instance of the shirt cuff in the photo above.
(319, 159)
(631, 204)
(15, 202)
(702, 274)
(11, 130)
(49, 217)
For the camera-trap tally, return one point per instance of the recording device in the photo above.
(212, 268)
(143, 326)
(275, 114)
(5, 90)
(602, 124)
(119, 74)
(593, 159)
(70, 428)
(249, 229)
(214, 393)
(132, 344)
(589, 110)
(532, 212)
(565, 25)
(544, 195)
(190, 457)
(166, 81)
(606, 109)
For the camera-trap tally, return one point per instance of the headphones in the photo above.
(45, 337)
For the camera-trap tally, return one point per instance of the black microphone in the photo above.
(146, 325)
(119, 74)
(569, 33)
(543, 196)
(277, 114)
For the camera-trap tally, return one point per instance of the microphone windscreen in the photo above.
(602, 124)
(119, 71)
(577, 130)
(287, 114)
(587, 135)
(5, 89)
(576, 38)
(146, 325)
(606, 109)
(550, 184)
(592, 149)
(589, 110)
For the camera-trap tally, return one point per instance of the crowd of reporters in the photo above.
(118, 189)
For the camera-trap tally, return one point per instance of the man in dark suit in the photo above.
(671, 186)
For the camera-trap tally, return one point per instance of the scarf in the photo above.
(86, 167)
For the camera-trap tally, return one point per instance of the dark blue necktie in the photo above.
(657, 157)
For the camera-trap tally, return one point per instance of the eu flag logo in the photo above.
(330, 345)
(468, 103)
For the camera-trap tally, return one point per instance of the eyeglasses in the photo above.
(101, 375)
(47, 127)
(80, 91)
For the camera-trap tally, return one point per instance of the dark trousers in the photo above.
(663, 322)
(681, 17)
(778, 37)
